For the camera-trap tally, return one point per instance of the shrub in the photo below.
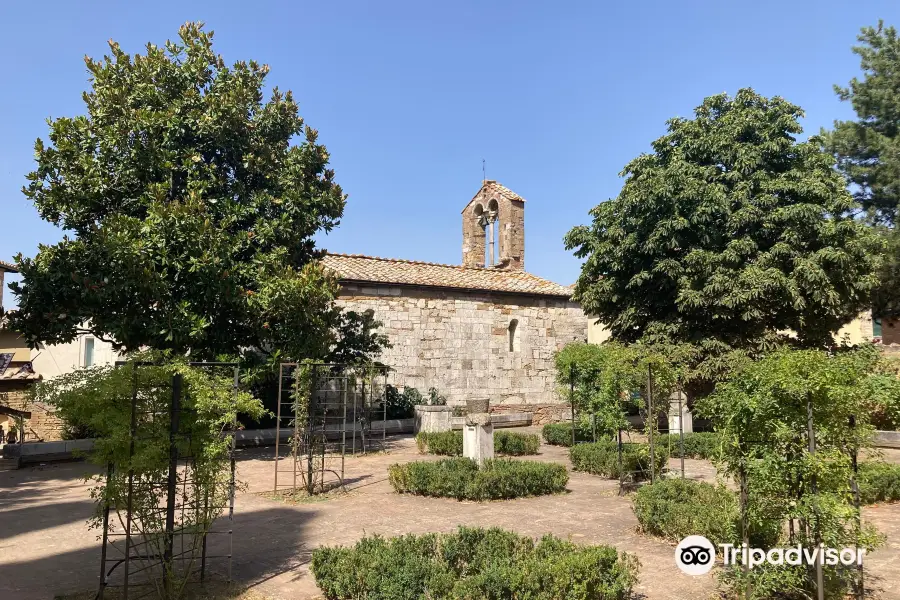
(560, 434)
(461, 478)
(878, 482)
(511, 443)
(443, 443)
(473, 563)
(675, 508)
(450, 443)
(397, 404)
(602, 458)
(707, 446)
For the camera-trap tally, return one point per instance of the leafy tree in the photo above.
(360, 340)
(868, 149)
(728, 234)
(610, 380)
(796, 496)
(191, 205)
(210, 408)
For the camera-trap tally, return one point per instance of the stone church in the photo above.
(485, 328)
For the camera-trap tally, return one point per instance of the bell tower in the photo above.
(494, 229)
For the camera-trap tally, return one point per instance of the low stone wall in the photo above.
(431, 419)
(541, 414)
(887, 439)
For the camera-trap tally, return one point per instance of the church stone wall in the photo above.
(458, 342)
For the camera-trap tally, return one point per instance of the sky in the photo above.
(411, 97)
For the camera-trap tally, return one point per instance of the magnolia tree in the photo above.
(190, 204)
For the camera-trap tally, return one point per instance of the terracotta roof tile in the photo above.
(358, 267)
(8, 267)
(20, 372)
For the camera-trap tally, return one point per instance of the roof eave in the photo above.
(455, 288)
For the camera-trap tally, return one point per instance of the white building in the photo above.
(84, 351)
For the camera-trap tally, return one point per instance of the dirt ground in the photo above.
(47, 549)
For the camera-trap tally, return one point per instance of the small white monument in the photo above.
(478, 432)
(679, 414)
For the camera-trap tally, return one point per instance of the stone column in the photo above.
(682, 418)
(478, 432)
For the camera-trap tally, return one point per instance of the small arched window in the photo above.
(513, 335)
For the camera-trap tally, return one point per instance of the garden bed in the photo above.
(676, 508)
(705, 445)
(473, 563)
(450, 443)
(602, 458)
(560, 434)
(878, 482)
(461, 478)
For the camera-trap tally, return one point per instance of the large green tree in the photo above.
(190, 204)
(728, 233)
(868, 150)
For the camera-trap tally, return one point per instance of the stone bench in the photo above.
(499, 420)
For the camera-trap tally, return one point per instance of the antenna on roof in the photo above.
(483, 173)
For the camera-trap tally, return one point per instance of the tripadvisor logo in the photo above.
(695, 555)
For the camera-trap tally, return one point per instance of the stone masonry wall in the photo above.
(458, 341)
(43, 426)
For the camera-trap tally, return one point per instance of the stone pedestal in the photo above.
(432, 419)
(478, 432)
(679, 414)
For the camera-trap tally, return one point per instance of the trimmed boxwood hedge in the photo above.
(442, 443)
(703, 445)
(473, 563)
(450, 443)
(878, 482)
(511, 443)
(602, 458)
(560, 434)
(676, 508)
(461, 478)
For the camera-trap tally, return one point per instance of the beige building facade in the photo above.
(85, 350)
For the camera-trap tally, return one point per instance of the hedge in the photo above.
(511, 443)
(461, 478)
(450, 443)
(878, 482)
(473, 563)
(443, 443)
(602, 458)
(560, 434)
(707, 446)
(676, 508)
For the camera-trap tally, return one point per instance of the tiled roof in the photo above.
(8, 267)
(358, 267)
(20, 372)
(491, 188)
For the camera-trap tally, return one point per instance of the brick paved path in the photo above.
(45, 547)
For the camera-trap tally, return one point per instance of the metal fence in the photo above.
(800, 489)
(325, 411)
(158, 537)
(651, 413)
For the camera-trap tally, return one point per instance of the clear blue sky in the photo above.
(409, 97)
